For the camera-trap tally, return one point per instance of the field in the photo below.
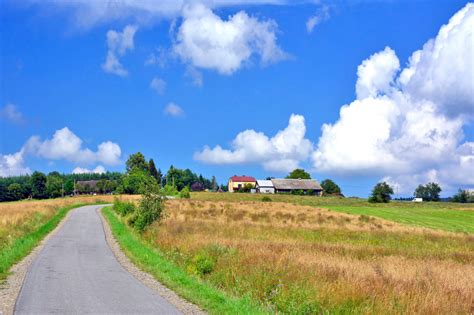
(294, 255)
(300, 259)
(448, 216)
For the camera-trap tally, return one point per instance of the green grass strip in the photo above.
(191, 288)
(22, 246)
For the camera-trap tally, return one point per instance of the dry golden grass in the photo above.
(18, 211)
(20, 217)
(297, 259)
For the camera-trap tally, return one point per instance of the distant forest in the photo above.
(139, 174)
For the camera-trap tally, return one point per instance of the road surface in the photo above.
(77, 273)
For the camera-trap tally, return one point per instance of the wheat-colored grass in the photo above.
(20, 217)
(297, 259)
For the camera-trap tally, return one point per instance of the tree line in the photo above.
(140, 173)
(382, 192)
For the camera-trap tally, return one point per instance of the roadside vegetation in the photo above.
(23, 224)
(297, 259)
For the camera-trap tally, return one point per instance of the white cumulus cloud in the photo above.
(206, 41)
(408, 126)
(118, 43)
(98, 170)
(64, 145)
(282, 152)
(13, 165)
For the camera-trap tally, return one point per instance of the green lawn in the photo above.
(447, 216)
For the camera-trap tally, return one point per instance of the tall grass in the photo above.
(23, 224)
(151, 260)
(293, 259)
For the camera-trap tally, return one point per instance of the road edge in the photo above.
(147, 279)
(10, 289)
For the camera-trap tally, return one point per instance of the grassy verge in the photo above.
(23, 245)
(187, 286)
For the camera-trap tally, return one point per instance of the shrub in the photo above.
(184, 193)
(169, 190)
(203, 264)
(266, 199)
(123, 208)
(150, 210)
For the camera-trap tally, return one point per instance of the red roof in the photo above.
(243, 178)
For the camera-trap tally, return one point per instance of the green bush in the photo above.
(169, 190)
(203, 264)
(184, 193)
(266, 199)
(150, 210)
(123, 208)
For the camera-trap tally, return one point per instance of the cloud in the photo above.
(11, 113)
(174, 110)
(408, 126)
(118, 44)
(87, 14)
(158, 58)
(98, 170)
(320, 16)
(158, 85)
(205, 41)
(282, 152)
(65, 145)
(195, 76)
(13, 165)
(375, 75)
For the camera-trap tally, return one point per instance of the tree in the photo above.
(14, 192)
(214, 183)
(381, 193)
(429, 192)
(299, 173)
(154, 172)
(330, 187)
(463, 196)
(54, 185)
(137, 182)
(137, 161)
(38, 185)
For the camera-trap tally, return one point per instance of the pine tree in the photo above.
(154, 172)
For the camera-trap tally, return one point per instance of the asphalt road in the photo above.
(77, 273)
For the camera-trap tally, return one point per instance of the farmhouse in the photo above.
(265, 187)
(307, 186)
(239, 182)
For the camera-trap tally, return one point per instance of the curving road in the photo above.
(77, 273)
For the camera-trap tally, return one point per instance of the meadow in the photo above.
(448, 216)
(290, 255)
(297, 259)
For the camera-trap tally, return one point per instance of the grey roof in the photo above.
(293, 184)
(90, 183)
(264, 183)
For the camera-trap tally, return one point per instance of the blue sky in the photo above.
(266, 65)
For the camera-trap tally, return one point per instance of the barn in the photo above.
(306, 186)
